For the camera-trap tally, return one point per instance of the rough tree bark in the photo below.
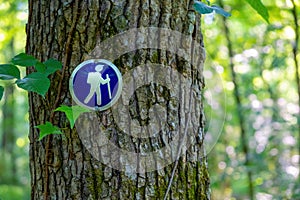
(61, 167)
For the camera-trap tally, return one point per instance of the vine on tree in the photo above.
(39, 83)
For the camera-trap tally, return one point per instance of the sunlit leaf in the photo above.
(1, 92)
(23, 59)
(260, 8)
(52, 66)
(9, 71)
(72, 113)
(202, 8)
(35, 82)
(220, 11)
(47, 129)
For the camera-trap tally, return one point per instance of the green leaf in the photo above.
(1, 92)
(23, 59)
(47, 129)
(40, 67)
(52, 66)
(202, 8)
(35, 82)
(72, 113)
(9, 71)
(260, 8)
(220, 11)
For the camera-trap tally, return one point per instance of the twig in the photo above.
(57, 100)
(186, 125)
(67, 54)
(180, 147)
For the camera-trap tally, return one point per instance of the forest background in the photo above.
(252, 96)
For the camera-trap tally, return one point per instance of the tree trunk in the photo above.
(66, 166)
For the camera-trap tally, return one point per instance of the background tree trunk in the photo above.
(61, 167)
(8, 127)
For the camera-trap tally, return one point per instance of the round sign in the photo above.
(96, 84)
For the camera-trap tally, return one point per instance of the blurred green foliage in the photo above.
(263, 63)
(265, 72)
(14, 165)
(13, 192)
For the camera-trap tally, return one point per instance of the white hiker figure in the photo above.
(95, 79)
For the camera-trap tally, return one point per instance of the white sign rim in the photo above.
(114, 99)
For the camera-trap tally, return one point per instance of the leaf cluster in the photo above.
(36, 81)
(71, 112)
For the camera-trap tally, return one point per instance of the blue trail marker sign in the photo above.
(96, 84)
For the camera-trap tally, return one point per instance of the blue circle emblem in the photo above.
(96, 84)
